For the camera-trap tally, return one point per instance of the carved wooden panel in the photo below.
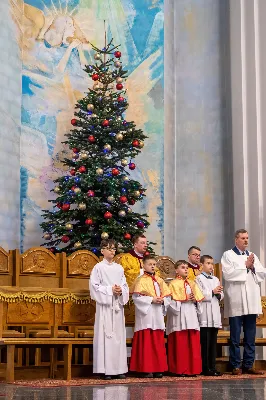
(4, 261)
(166, 267)
(129, 311)
(79, 313)
(38, 261)
(81, 263)
(28, 313)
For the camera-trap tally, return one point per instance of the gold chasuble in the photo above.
(193, 272)
(132, 265)
(144, 285)
(178, 289)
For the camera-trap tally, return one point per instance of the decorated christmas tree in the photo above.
(94, 199)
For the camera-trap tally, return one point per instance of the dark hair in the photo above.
(107, 243)
(193, 247)
(239, 231)
(148, 257)
(136, 237)
(180, 262)
(205, 257)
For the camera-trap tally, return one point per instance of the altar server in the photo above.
(150, 295)
(184, 355)
(243, 273)
(210, 318)
(109, 289)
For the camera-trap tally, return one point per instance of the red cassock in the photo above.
(148, 351)
(184, 352)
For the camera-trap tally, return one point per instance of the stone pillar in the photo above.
(10, 111)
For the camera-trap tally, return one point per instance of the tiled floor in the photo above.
(189, 390)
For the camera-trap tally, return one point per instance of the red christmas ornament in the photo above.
(120, 99)
(52, 249)
(108, 215)
(147, 253)
(59, 205)
(82, 169)
(123, 199)
(135, 143)
(75, 150)
(95, 77)
(115, 172)
(65, 207)
(117, 54)
(65, 239)
(119, 86)
(132, 166)
(90, 193)
(131, 202)
(73, 187)
(105, 122)
(140, 224)
(72, 172)
(127, 236)
(74, 122)
(89, 221)
(91, 139)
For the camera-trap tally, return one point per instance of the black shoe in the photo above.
(217, 373)
(208, 373)
(120, 376)
(150, 375)
(107, 377)
(158, 375)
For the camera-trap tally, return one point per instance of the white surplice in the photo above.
(149, 315)
(211, 314)
(182, 315)
(242, 290)
(109, 342)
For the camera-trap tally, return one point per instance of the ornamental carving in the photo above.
(38, 261)
(166, 267)
(4, 262)
(25, 312)
(79, 313)
(81, 263)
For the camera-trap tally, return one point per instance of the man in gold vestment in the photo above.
(194, 262)
(132, 261)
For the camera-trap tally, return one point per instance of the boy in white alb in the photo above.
(210, 317)
(184, 357)
(150, 295)
(109, 289)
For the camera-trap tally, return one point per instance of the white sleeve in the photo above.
(205, 291)
(174, 307)
(233, 271)
(102, 294)
(123, 299)
(142, 303)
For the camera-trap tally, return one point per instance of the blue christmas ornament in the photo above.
(77, 179)
(112, 134)
(89, 112)
(123, 190)
(66, 178)
(94, 250)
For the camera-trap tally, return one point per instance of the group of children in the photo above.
(193, 319)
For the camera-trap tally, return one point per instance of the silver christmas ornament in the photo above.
(122, 213)
(82, 206)
(77, 190)
(99, 171)
(117, 64)
(47, 236)
(119, 80)
(124, 162)
(57, 189)
(110, 199)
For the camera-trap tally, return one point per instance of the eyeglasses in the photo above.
(109, 248)
(195, 255)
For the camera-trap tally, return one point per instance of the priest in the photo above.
(193, 262)
(242, 273)
(132, 261)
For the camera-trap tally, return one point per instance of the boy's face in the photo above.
(182, 270)
(149, 266)
(208, 266)
(108, 252)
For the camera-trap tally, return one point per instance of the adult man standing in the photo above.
(132, 261)
(193, 262)
(242, 272)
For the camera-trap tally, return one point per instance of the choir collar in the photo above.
(193, 266)
(134, 253)
(149, 273)
(180, 277)
(240, 252)
(107, 262)
(207, 275)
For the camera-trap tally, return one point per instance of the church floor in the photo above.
(241, 389)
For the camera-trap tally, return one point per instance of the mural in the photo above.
(55, 41)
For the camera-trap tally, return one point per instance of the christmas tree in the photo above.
(93, 200)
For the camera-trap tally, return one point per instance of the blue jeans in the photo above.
(249, 328)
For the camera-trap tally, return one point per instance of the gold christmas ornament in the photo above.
(99, 171)
(96, 86)
(141, 143)
(124, 162)
(117, 64)
(122, 213)
(77, 190)
(110, 199)
(107, 147)
(104, 235)
(119, 136)
(84, 156)
(57, 189)
(130, 130)
(69, 227)
(47, 236)
(93, 116)
(82, 206)
(119, 80)
(136, 193)
(119, 118)
(77, 245)
(129, 210)
(97, 56)
(90, 107)
(125, 178)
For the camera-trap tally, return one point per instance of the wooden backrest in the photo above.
(6, 267)
(76, 269)
(166, 267)
(37, 267)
